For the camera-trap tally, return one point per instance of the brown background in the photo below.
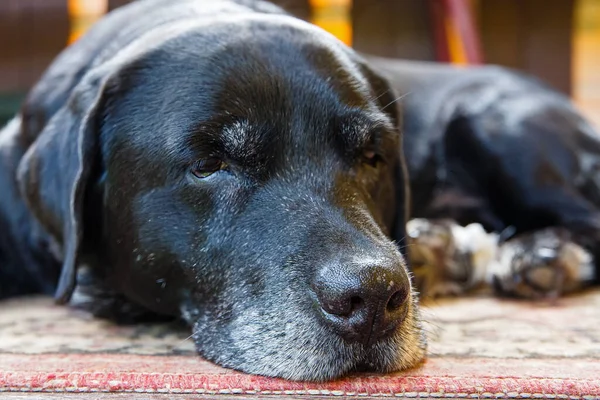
(532, 35)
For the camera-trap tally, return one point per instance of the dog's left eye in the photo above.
(206, 167)
(372, 158)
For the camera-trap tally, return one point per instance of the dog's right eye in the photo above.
(206, 167)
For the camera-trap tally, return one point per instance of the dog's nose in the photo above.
(363, 302)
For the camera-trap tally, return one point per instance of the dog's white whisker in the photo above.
(395, 100)
(382, 94)
(187, 338)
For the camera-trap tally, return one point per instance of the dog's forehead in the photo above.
(252, 52)
(269, 75)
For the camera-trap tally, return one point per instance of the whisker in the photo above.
(186, 339)
(407, 245)
(395, 100)
(381, 95)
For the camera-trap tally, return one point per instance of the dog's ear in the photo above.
(386, 97)
(54, 173)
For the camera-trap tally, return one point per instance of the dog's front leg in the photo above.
(93, 294)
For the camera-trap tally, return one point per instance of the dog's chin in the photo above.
(305, 350)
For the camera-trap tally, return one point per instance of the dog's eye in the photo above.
(206, 167)
(372, 158)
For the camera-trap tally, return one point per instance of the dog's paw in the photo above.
(541, 265)
(448, 259)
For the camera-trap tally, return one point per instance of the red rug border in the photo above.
(442, 378)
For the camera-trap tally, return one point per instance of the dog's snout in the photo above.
(362, 302)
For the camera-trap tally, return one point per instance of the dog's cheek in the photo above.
(378, 193)
(386, 201)
(159, 243)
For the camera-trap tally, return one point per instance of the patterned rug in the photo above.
(479, 348)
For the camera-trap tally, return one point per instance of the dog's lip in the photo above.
(386, 354)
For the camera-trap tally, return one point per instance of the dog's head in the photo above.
(246, 174)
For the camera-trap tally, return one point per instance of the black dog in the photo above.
(227, 163)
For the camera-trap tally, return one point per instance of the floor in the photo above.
(478, 347)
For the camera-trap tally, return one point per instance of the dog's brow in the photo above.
(241, 140)
(357, 131)
(235, 135)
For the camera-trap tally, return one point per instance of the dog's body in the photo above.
(489, 145)
(229, 164)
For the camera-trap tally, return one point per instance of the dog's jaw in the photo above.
(302, 349)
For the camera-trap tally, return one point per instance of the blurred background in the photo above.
(555, 40)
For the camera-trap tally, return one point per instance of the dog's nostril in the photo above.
(355, 303)
(397, 300)
(344, 307)
(341, 307)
